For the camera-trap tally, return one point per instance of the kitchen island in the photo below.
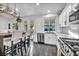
(2, 36)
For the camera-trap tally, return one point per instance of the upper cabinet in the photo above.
(69, 14)
(74, 16)
(64, 16)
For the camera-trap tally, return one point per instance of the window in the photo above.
(49, 25)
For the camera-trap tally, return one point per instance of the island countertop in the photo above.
(5, 34)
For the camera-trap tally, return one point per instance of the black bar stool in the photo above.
(21, 42)
(25, 44)
(10, 50)
(20, 45)
(28, 42)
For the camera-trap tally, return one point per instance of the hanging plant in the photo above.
(18, 19)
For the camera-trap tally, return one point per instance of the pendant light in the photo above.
(18, 19)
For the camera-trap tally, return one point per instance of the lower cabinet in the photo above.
(47, 38)
(50, 38)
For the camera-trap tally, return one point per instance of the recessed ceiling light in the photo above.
(48, 11)
(17, 9)
(37, 4)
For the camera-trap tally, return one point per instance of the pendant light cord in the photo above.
(7, 6)
(16, 11)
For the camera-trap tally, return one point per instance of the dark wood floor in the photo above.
(44, 50)
(40, 50)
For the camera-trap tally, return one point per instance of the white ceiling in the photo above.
(31, 9)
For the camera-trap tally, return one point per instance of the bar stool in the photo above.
(13, 43)
(10, 49)
(21, 45)
(17, 42)
(28, 45)
(7, 45)
(25, 44)
(12, 46)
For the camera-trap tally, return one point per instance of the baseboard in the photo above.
(46, 44)
(40, 42)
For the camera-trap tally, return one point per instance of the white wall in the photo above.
(39, 25)
(4, 20)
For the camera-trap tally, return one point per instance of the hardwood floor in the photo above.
(36, 49)
(44, 50)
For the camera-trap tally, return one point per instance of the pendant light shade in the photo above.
(18, 19)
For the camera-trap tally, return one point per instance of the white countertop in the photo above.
(64, 36)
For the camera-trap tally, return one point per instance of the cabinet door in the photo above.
(64, 17)
(50, 38)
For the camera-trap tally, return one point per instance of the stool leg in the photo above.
(21, 47)
(12, 48)
(15, 50)
(18, 48)
(7, 47)
(25, 46)
(4, 49)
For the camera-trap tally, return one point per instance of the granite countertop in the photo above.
(5, 34)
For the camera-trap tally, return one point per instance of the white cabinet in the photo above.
(62, 19)
(64, 16)
(50, 38)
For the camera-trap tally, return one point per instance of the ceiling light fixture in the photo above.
(37, 4)
(48, 11)
(17, 9)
